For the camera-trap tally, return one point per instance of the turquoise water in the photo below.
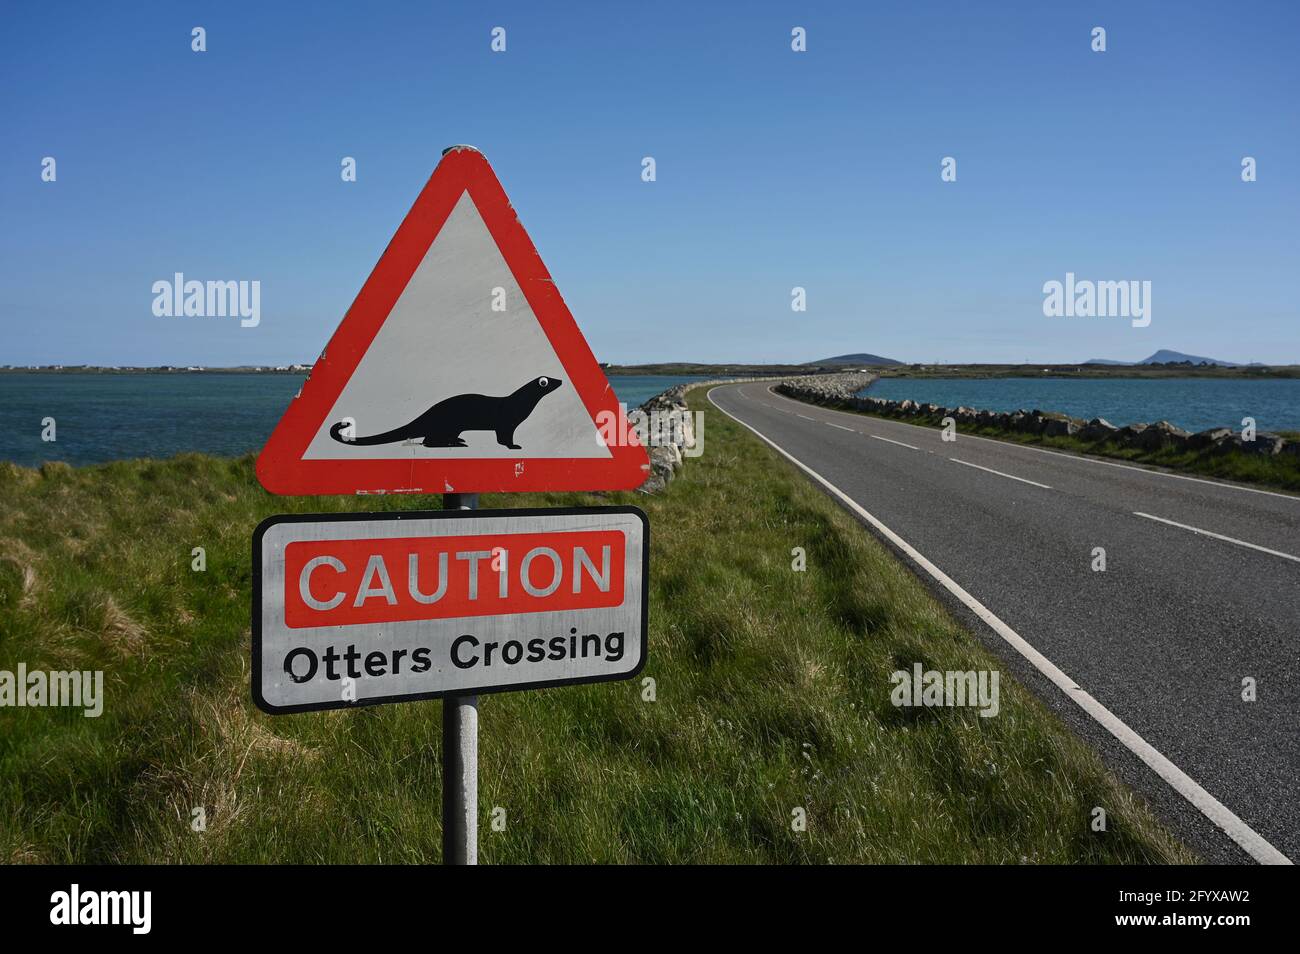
(102, 417)
(1191, 403)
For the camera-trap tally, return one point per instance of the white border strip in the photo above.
(1250, 840)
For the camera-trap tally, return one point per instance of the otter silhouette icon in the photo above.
(443, 424)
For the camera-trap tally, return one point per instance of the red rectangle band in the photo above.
(349, 582)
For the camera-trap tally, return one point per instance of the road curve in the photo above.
(1146, 659)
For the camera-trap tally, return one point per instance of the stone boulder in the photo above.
(1129, 434)
(663, 464)
(1211, 437)
(1161, 435)
(1033, 422)
(1098, 429)
(1059, 427)
(1264, 443)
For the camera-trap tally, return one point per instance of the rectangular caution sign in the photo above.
(360, 609)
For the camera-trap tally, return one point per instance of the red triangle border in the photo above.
(281, 468)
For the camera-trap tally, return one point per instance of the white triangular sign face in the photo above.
(458, 368)
(476, 351)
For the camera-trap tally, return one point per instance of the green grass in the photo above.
(772, 692)
(1281, 472)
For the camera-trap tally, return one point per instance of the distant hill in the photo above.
(865, 360)
(1164, 356)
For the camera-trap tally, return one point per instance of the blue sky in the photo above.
(775, 169)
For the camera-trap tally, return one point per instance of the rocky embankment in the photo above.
(669, 428)
(1160, 435)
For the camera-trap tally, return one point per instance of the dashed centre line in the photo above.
(888, 440)
(1219, 536)
(999, 473)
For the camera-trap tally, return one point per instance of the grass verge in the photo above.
(771, 693)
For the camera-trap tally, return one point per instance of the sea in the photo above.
(105, 417)
(1191, 403)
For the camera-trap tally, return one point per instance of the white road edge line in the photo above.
(890, 441)
(1219, 536)
(1079, 457)
(840, 426)
(1250, 840)
(999, 473)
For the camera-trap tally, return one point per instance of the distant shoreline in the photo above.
(679, 369)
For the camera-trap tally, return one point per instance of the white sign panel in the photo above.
(352, 609)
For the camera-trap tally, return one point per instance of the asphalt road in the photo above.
(1160, 641)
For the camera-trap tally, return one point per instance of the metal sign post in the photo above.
(460, 756)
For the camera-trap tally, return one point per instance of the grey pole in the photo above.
(460, 756)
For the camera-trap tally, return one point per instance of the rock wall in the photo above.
(670, 426)
(1150, 437)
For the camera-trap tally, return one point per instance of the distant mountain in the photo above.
(1164, 356)
(865, 360)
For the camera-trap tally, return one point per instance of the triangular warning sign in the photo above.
(458, 369)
